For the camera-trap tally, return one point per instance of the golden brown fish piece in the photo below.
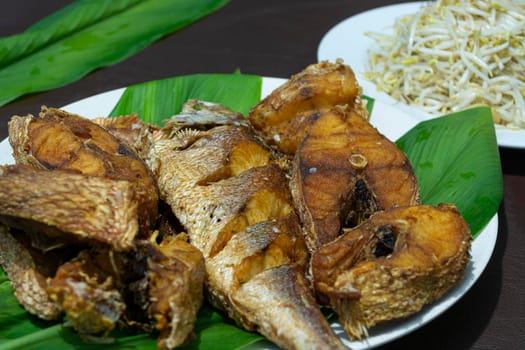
(392, 264)
(285, 115)
(89, 295)
(176, 276)
(60, 140)
(28, 274)
(69, 207)
(236, 207)
(156, 287)
(343, 171)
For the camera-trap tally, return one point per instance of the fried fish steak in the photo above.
(89, 295)
(236, 207)
(343, 171)
(392, 265)
(176, 276)
(28, 275)
(60, 140)
(69, 207)
(284, 116)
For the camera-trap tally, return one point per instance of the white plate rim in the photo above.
(351, 31)
(482, 246)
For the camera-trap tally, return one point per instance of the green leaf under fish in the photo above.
(456, 160)
(158, 100)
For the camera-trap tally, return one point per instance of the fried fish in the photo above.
(234, 202)
(344, 170)
(89, 295)
(155, 288)
(69, 207)
(284, 116)
(392, 264)
(56, 139)
(132, 130)
(176, 275)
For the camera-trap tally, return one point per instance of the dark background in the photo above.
(279, 38)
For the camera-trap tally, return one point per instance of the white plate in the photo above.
(347, 40)
(382, 115)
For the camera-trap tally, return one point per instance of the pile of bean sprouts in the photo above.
(456, 54)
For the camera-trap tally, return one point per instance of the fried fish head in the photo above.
(392, 264)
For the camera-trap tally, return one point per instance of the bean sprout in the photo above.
(456, 54)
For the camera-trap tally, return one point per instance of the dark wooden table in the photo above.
(279, 38)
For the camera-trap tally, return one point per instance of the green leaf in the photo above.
(456, 160)
(215, 331)
(86, 35)
(58, 25)
(157, 100)
(369, 103)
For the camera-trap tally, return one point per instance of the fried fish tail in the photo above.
(281, 299)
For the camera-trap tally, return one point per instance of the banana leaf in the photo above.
(86, 35)
(456, 160)
(158, 100)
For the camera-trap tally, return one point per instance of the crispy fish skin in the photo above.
(27, 278)
(267, 291)
(60, 140)
(392, 265)
(343, 171)
(236, 207)
(259, 247)
(284, 116)
(68, 205)
(176, 278)
(184, 178)
(202, 115)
